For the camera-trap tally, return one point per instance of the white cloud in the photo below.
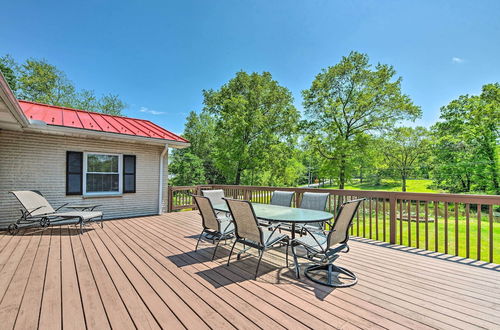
(457, 60)
(153, 112)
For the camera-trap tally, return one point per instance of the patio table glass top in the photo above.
(283, 214)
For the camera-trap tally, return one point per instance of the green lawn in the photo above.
(362, 228)
(417, 185)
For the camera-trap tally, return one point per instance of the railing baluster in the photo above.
(467, 230)
(491, 233)
(400, 222)
(364, 218)
(446, 227)
(370, 212)
(436, 224)
(383, 218)
(478, 231)
(409, 223)
(417, 219)
(456, 229)
(426, 225)
(376, 219)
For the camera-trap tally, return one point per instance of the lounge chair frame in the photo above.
(30, 217)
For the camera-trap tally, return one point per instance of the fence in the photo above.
(463, 225)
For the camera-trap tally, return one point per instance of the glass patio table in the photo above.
(284, 214)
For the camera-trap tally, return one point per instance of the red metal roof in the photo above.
(67, 117)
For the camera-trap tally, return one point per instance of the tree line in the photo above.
(352, 126)
(37, 80)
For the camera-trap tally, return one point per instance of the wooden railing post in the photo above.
(170, 199)
(392, 218)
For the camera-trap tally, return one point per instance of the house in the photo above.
(76, 156)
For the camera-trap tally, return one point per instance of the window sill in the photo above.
(101, 195)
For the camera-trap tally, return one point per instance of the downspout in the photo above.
(160, 195)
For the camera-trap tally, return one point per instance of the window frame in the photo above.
(120, 174)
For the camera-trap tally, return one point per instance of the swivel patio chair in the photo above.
(282, 198)
(37, 211)
(249, 233)
(314, 201)
(323, 250)
(215, 227)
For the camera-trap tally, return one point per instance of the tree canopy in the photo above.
(350, 99)
(39, 81)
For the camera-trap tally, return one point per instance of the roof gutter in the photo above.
(160, 194)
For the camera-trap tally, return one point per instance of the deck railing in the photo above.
(462, 225)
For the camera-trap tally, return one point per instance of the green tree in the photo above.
(39, 81)
(187, 170)
(252, 113)
(42, 82)
(8, 67)
(350, 99)
(111, 104)
(403, 148)
(466, 143)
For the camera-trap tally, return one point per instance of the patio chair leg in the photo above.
(102, 223)
(296, 262)
(261, 253)
(198, 242)
(215, 250)
(230, 253)
(286, 252)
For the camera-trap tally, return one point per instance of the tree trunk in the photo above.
(342, 172)
(361, 175)
(404, 182)
(238, 176)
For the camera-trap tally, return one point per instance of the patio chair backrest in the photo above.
(282, 198)
(314, 201)
(215, 196)
(207, 213)
(33, 200)
(245, 221)
(340, 231)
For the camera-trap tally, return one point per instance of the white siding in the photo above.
(31, 161)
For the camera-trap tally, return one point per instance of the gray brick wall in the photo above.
(38, 161)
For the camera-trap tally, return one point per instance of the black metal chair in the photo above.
(249, 233)
(324, 248)
(215, 227)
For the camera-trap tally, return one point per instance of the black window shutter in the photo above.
(74, 173)
(129, 176)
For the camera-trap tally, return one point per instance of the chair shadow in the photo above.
(431, 254)
(243, 270)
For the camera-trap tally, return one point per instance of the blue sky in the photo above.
(159, 55)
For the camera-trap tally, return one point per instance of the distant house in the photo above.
(80, 157)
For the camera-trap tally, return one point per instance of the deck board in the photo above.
(143, 273)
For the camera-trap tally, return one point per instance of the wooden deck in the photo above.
(143, 273)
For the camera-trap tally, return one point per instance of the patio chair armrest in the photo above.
(275, 226)
(315, 239)
(60, 207)
(28, 213)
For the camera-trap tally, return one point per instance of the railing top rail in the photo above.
(430, 197)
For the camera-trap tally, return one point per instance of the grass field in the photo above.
(417, 185)
(406, 234)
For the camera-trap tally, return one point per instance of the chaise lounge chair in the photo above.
(38, 211)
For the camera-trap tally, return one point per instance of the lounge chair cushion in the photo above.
(87, 215)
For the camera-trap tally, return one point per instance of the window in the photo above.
(102, 174)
